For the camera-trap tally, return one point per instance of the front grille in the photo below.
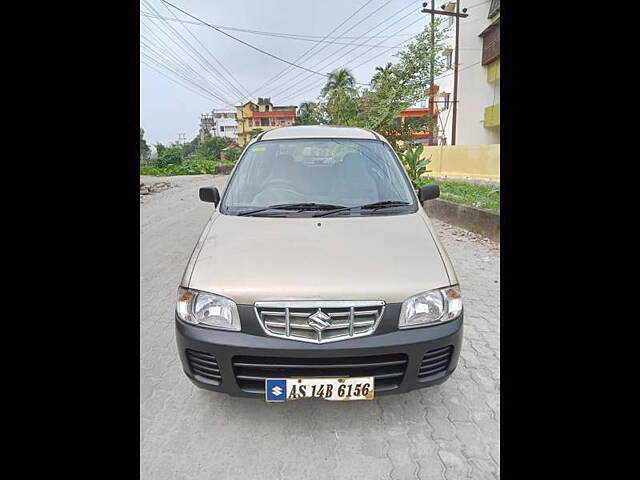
(251, 372)
(204, 367)
(435, 362)
(319, 322)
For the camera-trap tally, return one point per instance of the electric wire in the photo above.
(267, 33)
(344, 64)
(183, 77)
(177, 82)
(222, 90)
(215, 73)
(167, 51)
(288, 68)
(182, 67)
(242, 87)
(279, 88)
(243, 42)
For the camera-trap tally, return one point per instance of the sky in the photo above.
(168, 108)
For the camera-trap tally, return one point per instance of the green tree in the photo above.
(170, 156)
(145, 150)
(383, 74)
(341, 107)
(308, 114)
(339, 78)
(159, 148)
(231, 154)
(394, 88)
(212, 146)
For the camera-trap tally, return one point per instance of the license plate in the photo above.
(348, 388)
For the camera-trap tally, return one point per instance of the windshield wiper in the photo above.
(368, 206)
(294, 206)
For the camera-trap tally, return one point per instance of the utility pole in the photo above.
(457, 16)
(434, 128)
(182, 138)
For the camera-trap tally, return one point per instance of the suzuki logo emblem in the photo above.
(319, 321)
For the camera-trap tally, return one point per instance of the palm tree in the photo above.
(339, 78)
(307, 113)
(383, 74)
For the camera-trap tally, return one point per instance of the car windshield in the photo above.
(318, 174)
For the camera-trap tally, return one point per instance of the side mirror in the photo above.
(429, 192)
(210, 195)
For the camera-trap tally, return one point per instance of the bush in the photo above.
(193, 165)
(415, 167)
(169, 156)
(231, 154)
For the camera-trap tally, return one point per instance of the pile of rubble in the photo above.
(153, 188)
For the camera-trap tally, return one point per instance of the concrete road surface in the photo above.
(450, 431)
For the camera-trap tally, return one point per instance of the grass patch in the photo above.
(188, 167)
(480, 196)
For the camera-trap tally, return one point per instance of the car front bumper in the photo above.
(240, 355)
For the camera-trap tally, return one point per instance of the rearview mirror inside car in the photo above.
(429, 192)
(210, 195)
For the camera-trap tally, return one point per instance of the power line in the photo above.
(195, 84)
(245, 43)
(334, 60)
(336, 51)
(178, 74)
(182, 61)
(174, 57)
(195, 77)
(210, 69)
(281, 87)
(213, 56)
(297, 36)
(177, 82)
(316, 85)
(280, 74)
(302, 38)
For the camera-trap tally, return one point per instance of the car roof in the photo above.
(319, 131)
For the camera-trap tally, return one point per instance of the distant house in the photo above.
(262, 116)
(225, 124)
(413, 116)
(220, 123)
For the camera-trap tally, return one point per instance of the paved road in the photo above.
(450, 431)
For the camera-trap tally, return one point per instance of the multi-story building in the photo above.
(478, 115)
(225, 124)
(262, 116)
(415, 115)
(220, 123)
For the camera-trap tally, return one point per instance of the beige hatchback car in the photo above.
(318, 275)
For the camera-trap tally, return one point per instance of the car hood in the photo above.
(250, 259)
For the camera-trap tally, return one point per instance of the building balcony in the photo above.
(493, 71)
(492, 116)
(288, 114)
(415, 112)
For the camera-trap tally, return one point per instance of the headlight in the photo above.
(207, 310)
(434, 306)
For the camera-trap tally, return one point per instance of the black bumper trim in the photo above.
(224, 346)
